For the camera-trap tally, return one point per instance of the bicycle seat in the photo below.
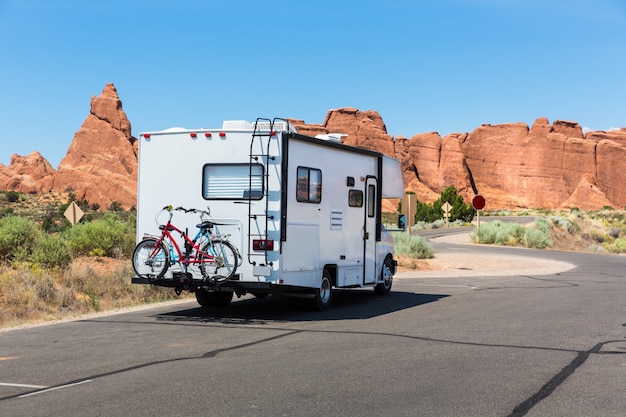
(205, 225)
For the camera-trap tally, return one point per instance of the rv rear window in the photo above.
(232, 181)
(309, 185)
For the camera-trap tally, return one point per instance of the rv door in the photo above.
(369, 230)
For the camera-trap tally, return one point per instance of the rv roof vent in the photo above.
(236, 125)
(332, 136)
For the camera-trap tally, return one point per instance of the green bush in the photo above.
(537, 236)
(563, 223)
(17, 238)
(50, 251)
(109, 236)
(617, 246)
(499, 233)
(413, 246)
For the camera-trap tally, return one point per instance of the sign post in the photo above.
(478, 202)
(409, 208)
(446, 211)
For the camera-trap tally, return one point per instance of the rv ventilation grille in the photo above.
(336, 219)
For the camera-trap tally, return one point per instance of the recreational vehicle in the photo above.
(304, 213)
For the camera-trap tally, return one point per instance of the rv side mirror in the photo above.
(402, 222)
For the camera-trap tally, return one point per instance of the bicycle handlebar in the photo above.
(191, 210)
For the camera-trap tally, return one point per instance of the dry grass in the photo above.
(29, 294)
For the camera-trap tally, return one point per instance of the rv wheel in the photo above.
(323, 295)
(213, 299)
(202, 297)
(387, 276)
(220, 299)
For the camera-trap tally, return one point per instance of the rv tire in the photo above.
(323, 295)
(213, 299)
(386, 275)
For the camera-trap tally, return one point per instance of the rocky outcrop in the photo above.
(101, 163)
(27, 174)
(513, 166)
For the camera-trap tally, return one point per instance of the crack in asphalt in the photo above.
(210, 354)
(519, 410)
(545, 391)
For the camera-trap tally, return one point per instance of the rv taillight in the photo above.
(193, 134)
(146, 135)
(263, 244)
(207, 134)
(222, 134)
(272, 133)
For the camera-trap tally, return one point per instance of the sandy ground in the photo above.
(459, 264)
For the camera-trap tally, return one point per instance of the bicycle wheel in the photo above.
(149, 261)
(224, 263)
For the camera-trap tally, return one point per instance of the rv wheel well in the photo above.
(332, 270)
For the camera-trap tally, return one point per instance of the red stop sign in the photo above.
(478, 202)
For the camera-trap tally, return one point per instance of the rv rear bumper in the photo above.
(231, 285)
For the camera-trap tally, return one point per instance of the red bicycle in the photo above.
(212, 253)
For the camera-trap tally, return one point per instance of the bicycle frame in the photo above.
(184, 258)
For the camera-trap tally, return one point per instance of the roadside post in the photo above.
(409, 208)
(446, 211)
(478, 202)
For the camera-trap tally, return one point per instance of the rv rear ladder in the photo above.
(261, 155)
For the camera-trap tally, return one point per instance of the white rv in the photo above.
(303, 212)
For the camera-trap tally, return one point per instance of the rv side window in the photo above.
(371, 200)
(309, 185)
(232, 182)
(355, 198)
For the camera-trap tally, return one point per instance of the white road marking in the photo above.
(55, 388)
(9, 384)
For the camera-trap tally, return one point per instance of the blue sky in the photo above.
(441, 65)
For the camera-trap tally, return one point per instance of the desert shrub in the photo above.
(617, 246)
(413, 246)
(17, 238)
(109, 236)
(50, 251)
(562, 223)
(598, 236)
(538, 235)
(12, 196)
(498, 233)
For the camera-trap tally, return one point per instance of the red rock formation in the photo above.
(511, 165)
(27, 174)
(101, 163)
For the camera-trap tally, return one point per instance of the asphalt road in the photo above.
(471, 345)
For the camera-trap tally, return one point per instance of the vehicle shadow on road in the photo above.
(346, 305)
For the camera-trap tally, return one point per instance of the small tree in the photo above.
(460, 210)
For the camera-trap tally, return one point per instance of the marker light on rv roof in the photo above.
(222, 134)
(146, 135)
(193, 134)
(207, 134)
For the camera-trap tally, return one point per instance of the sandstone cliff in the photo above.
(513, 166)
